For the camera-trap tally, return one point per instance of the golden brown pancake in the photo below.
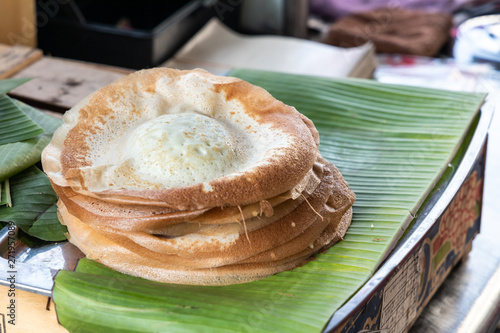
(186, 177)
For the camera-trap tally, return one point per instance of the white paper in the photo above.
(218, 49)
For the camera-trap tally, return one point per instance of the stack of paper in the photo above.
(218, 49)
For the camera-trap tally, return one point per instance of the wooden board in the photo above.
(58, 84)
(33, 313)
(15, 58)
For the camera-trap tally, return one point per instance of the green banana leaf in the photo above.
(15, 125)
(17, 156)
(33, 206)
(391, 143)
(7, 85)
(5, 198)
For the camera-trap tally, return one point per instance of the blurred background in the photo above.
(142, 34)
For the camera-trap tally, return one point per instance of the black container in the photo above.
(126, 33)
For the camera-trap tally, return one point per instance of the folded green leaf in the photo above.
(33, 205)
(47, 226)
(5, 198)
(391, 143)
(96, 299)
(45, 121)
(15, 157)
(9, 84)
(15, 125)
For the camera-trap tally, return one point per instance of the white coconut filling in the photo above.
(182, 149)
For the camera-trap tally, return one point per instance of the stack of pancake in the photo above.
(186, 177)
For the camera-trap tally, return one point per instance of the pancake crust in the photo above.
(302, 232)
(155, 219)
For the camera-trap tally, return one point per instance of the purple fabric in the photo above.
(335, 9)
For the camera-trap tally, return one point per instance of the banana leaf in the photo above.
(390, 142)
(33, 207)
(15, 125)
(5, 198)
(17, 156)
(7, 85)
